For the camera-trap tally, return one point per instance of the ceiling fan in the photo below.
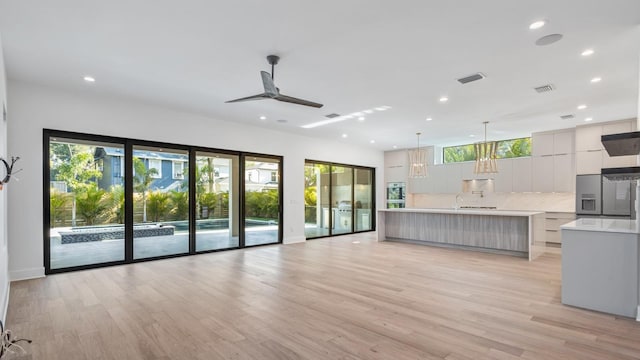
(271, 91)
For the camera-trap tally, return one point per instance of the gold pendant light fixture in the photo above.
(486, 155)
(418, 161)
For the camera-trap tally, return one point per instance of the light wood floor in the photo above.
(326, 299)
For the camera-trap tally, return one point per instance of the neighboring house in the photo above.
(261, 176)
(170, 168)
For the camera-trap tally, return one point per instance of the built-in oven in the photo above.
(395, 195)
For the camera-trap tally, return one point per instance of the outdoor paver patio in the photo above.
(94, 252)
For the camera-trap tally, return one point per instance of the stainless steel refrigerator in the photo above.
(599, 196)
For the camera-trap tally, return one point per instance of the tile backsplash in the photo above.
(551, 202)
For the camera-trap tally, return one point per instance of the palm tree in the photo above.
(78, 173)
(91, 204)
(142, 181)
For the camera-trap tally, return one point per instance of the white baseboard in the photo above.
(26, 274)
(294, 239)
(5, 304)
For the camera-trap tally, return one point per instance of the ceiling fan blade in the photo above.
(293, 100)
(249, 98)
(269, 87)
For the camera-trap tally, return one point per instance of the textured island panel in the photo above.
(496, 232)
(510, 233)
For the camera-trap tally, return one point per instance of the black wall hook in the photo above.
(9, 169)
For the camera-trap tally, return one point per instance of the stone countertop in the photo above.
(492, 212)
(623, 226)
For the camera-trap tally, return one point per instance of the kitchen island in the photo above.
(600, 265)
(510, 232)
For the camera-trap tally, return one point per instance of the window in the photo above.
(274, 176)
(157, 165)
(506, 149)
(178, 170)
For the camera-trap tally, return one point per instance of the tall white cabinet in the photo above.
(553, 161)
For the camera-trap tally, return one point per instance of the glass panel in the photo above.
(341, 188)
(86, 203)
(316, 200)
(261, 200)
(362, 193)
(217, 201)
(505, 149)
(160, 203)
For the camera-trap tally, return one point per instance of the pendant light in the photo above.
(418, 161)
(485, 155)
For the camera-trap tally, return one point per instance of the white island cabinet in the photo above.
(499, 231)
(600, 265)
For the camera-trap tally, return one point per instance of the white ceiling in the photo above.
(350, 55)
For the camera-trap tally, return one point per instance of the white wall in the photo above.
(34, 107)
(4, 255)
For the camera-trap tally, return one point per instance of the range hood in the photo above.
(622, 144)
(622, 173)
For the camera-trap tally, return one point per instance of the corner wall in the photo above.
(4, 254)
(34, 107)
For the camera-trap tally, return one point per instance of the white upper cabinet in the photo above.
(542, 144)
(563, 142)
(396, 166)
(503, 179)
(564, 179)
(617, 128)
(589, 162)
(588, 138)
(522, 174)
(542, 177)
(553, 143)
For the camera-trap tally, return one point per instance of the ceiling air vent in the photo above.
(331, 116)
(567, 117)
(470, 78)
(544, 88)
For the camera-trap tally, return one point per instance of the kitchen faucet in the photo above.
(459, 197)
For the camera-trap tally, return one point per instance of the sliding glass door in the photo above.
(86, 202)
(317, 208)
(341, 196)
(217, 201)
(339, 199)
(262, 206)
(160, 201)
(363, 195)
(110, 200)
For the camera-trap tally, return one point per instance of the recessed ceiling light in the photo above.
(361, 118)
(588, 119)
(395, 146)
(263, 117)
(357, 114)
(368, 111)
(344, 135)
(582, 107)
(429, 119)
(372, 141)
(587, 52)
(537, 25)
(444, 99)
(89, 79)
(472, 135)
(596, 80)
